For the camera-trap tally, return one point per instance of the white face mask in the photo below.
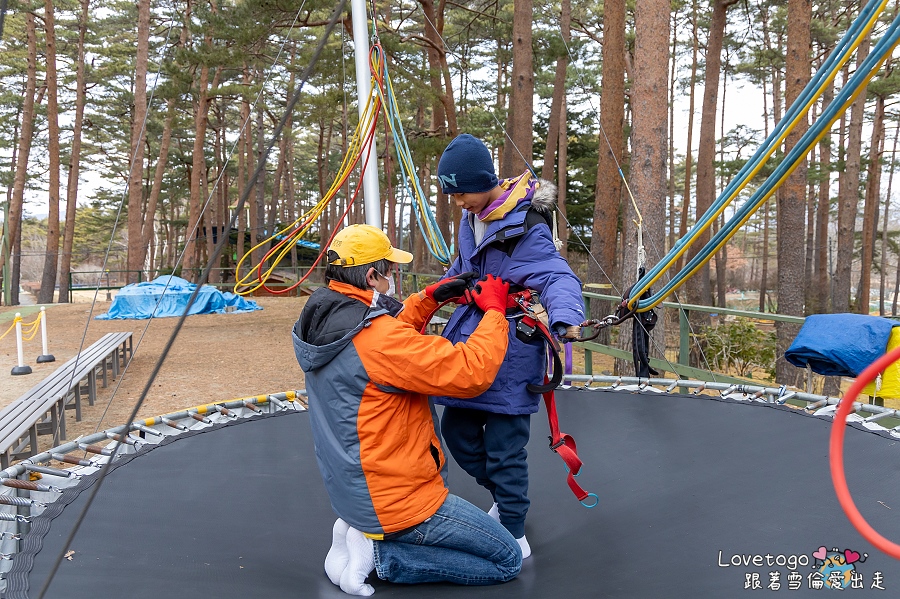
(392, 288)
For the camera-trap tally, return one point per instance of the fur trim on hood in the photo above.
(544, 199)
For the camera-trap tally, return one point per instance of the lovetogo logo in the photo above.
(832, 569)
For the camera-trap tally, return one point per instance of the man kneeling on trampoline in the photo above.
(369, 372)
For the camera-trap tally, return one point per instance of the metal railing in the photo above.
(682, 365)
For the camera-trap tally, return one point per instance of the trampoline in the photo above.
(700, 496)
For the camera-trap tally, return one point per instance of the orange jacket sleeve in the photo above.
(399, 356)
(416, 309)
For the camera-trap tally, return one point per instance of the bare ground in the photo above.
(216, 357)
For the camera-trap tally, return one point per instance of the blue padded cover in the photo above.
(840, 344)
(168, 296)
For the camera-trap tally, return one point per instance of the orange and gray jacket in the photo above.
(369, 372)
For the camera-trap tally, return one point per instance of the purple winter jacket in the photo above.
(534, 264)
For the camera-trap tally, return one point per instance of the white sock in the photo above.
(494, 512)
(338, 556)
(362, 561)
(526, 548)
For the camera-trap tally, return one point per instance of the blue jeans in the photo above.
(459, 543)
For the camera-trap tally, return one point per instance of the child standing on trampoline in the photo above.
(504, 232)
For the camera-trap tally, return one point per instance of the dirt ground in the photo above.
(216, 357)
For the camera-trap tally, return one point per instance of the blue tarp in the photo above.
(168, 296)
(840, 344)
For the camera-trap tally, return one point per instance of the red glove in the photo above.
(490, 294)
(453, 288)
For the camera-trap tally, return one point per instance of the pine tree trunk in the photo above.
(822, 215)
(562, 228)
(51, 257)
(848, 202)
(870, 210)
(192, 261)
(608, 187)
(649, 148)
(22, 153)
(136, 156)
(672, 64)
(556, 121)
(764, 259)
(74, 160)
(792, 201)
(884, 226)
(698, 286)
(518, 149)
(149, 220)
(688, 156)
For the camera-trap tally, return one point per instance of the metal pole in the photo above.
(372, 199)
(21, 368)
(45, 356)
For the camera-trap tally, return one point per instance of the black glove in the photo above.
(453, 288)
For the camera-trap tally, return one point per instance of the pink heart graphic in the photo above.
(851, 556)
(821, 552)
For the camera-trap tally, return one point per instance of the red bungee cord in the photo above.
(836, 455)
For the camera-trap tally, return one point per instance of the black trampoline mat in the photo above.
(686, 485)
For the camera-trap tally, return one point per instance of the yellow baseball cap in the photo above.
(364, 244)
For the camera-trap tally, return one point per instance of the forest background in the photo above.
(189, 91)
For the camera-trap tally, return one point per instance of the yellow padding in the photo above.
(890, 378)
(150, 422)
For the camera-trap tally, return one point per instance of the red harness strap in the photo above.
(564, 445)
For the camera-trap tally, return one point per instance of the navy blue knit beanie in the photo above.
(466, 166)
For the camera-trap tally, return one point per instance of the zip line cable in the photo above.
(207, 269)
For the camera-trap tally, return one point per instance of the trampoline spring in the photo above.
(671, 387)
(224, 411)
(68, 459)
(200, 417)
(96, 450)
(147, 429)
(759, 394)
(15, 483)
(699, 389)
(10, 535)
(173, 424)
(51, 471)
(880, 415)
(616, 384)
(127, 439)
(252, 407)
(275, 402)
(785, 397)
(729, 390)
(14, 517)
(18, 501)
(8, 556)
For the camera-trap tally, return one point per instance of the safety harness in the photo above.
(524, 307)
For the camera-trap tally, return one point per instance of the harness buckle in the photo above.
(557, 445)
